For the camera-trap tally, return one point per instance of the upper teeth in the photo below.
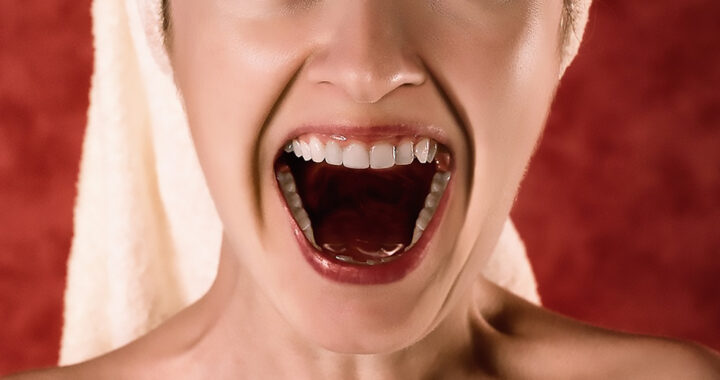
(356, 155)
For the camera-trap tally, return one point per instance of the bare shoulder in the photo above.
(661, 358)
(574, 349)
(59, 373)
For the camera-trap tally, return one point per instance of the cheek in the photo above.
(230, 76)
(503, 78)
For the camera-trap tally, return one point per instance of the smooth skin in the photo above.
(483, 72)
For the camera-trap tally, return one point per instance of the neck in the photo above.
(244, 334)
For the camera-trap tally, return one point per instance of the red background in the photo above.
(620, 210)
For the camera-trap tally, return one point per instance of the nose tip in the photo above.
(364, 83)
(367, 57)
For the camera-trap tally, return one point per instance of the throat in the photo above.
(362, 215)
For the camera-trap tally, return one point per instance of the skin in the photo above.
(483, 73)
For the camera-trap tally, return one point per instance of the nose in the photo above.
(366, 54)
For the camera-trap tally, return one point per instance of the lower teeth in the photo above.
(294, 202)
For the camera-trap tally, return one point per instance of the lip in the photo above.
(371, 133)
(392, 271)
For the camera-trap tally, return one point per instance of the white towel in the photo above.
(147, 237)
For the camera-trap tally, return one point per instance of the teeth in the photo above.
(404, 153)
(422, 148)
(317, 150)
(382, 156)
(296, 148)
(416, 236)
(355, 156)
(432, 151)
(424, 218)
(432, 199)
(437, 188)
(287, 185)
(440, 180)
(305, 149)
(333, 153)
(293, 200)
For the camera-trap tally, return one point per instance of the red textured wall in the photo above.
(620, 210)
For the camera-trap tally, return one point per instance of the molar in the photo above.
(432, 151)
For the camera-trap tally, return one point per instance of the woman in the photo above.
(363, 156)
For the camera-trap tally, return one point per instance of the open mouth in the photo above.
(365, 208)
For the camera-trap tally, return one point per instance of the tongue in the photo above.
(362, 214)
(370, 231)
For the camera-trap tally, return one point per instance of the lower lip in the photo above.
(384, 273)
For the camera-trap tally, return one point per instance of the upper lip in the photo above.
(375, 130)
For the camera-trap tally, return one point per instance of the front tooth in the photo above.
(404, 153)
(296, 148)
(305, 149)
(333, 153)
(355, 156)
(423, 219)
(432, 151)
(317, 150)
(382, 156)
(422, 148)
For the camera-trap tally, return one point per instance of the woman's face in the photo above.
(366, 89)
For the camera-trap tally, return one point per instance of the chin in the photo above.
(363, 233)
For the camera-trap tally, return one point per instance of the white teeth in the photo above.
(404, 153)
(439, 181)
(289, 189)
(424, 218)
(416, 236)
(355, 156)
(317, 150)
(422, 148)
(432, 199)
(382, 156)
(432, 151)
(333, 153)
(296, 148)
(305, 149)
(437, 188)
